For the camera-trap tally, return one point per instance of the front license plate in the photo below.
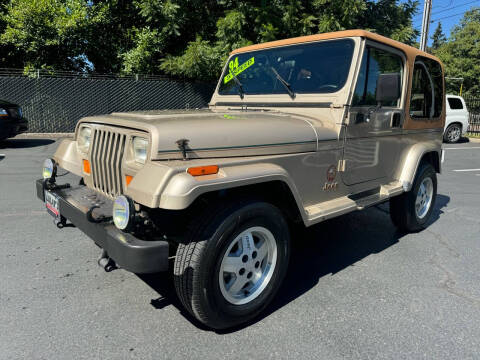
(51, 202)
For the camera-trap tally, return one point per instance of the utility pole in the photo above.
(427, 9)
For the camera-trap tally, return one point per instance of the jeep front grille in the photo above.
(106, 158)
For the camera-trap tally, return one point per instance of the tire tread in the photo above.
(401, 212)
(190, 268)
(189, 255)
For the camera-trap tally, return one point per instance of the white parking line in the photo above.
(462, 170)
(461, 148)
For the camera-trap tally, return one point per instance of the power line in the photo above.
(450, 3)
(449, 16)
(449, 8)
(456, 6)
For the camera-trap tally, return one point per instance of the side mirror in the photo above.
(388, 88)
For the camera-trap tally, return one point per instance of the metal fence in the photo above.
(473, 105)
(54, 102)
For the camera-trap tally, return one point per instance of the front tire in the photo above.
(453, 133)
(231, 264)
(411, 211)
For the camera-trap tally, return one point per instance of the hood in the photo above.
(212, 134)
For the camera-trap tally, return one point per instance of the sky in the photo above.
(448, 12)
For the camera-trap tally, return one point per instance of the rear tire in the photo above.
(224, 276)
(453, 133)
(411, 211)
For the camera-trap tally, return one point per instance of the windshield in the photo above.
(320, 67)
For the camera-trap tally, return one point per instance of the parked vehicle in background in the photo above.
(456, 122)
(12, 121)
(298, 131)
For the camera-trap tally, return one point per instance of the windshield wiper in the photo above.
(284, 82)
(241, 92)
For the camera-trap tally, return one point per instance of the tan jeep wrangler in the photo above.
(298, 131)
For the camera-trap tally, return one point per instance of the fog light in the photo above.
(123, 211)
(49, 169)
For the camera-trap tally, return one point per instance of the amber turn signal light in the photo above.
(128, 179)
(86, 166)
(203, 170)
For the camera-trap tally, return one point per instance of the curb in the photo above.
(473, 139)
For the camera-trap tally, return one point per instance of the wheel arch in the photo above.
(268, 182)
(418, 154)
(458, 122)
(275, 192)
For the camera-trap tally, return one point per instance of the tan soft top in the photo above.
(408, 50)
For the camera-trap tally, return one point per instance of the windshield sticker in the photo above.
(235, 69)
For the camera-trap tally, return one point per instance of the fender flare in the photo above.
(182, 189)
(413, 159)
(67, 157)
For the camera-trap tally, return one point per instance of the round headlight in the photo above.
(84, 137)
(49, 169)
(140, 149)
(122, 212)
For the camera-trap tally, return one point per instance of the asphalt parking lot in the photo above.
(356, 288)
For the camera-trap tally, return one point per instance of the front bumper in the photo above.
(12, 127)
(129, 252)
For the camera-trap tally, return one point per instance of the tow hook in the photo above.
(106, 262)
(60, 222)
(99, 219)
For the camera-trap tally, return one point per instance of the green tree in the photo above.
(245, 22)
(165, 28)
(438, 37)
(390, 18)
(184, 38)
(45, 33)
(8, 52)
(461, 53)
(111, 29)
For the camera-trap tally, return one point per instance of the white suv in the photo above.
(456, 123)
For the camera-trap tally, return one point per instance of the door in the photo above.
(371, 147)
(456, 112)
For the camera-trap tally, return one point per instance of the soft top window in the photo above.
(455, 103)
(320, 67)
(426, 99)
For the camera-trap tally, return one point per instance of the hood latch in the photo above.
(182, 145)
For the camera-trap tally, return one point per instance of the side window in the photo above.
(374, 63)
(455, 103)
(427, 89)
